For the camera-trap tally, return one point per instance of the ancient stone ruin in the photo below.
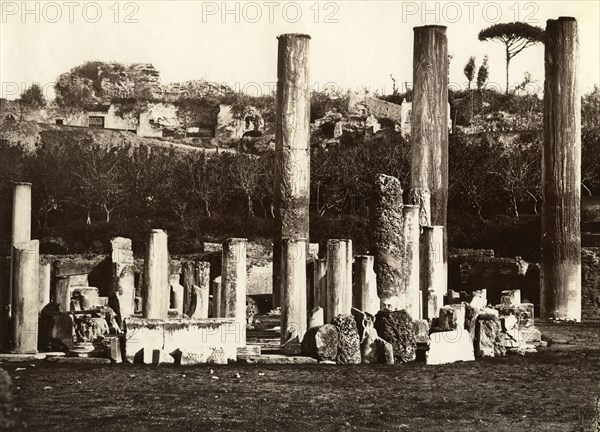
(392, 305)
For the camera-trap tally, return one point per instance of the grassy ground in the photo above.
(556, 389)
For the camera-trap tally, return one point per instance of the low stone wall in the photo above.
(475, 269)
(212, 340)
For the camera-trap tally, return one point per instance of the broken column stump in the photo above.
(337, 280)
(122, 295)
(321, 343)
(488, 336)
(396, 327)
(26, 296)
(156, 291)
(364, 296)
(387, 243)
(349, 342)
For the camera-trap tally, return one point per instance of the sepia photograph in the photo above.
(300, 216)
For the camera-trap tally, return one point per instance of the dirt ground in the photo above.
(556, 389)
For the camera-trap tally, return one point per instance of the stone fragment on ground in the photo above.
(292, 347)
(421, 330)
(373, 349)
(321, 343)
(449, 347)
(396, 327)
(349, 341)
(488, 337)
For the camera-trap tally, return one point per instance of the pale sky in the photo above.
(354, 44)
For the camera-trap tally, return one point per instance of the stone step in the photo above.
(22, 357)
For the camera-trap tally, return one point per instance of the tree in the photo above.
(469, 71)
(471, 182)
(483, 73)
(515, 36)
(205, 174)
(31, 99)
(73, 95)
(518, 174)
(99, 180)
(248, 173)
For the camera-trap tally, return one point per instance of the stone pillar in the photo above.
(387, 243)
(364, 296)
(199, 302)
(347, 300)
(434, 279)
(337, 280)
(311, 277)
(560, 270)
(292, 148)
(321, 283)
(176, 292)
(26, 296)
(45, 283)
(412, 233)
(233, 283)
(293, 289)
(193, 274)
(429, 126)
(217, 298)
(198, 307)
(156, 291)
(122, 296)
(21, 222)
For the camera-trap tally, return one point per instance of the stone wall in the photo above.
(590, 283)
(475, 269)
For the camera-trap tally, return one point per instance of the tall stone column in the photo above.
(560, 270)
(364, 296)
(412, 233)
(429, 127)
(233, 283)
(434, 278)
(292, 148)
(387, 242)
(337, 280)
(293, 289)
(21, 221)
(156, 292)
(122, 296)
(26, 296)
